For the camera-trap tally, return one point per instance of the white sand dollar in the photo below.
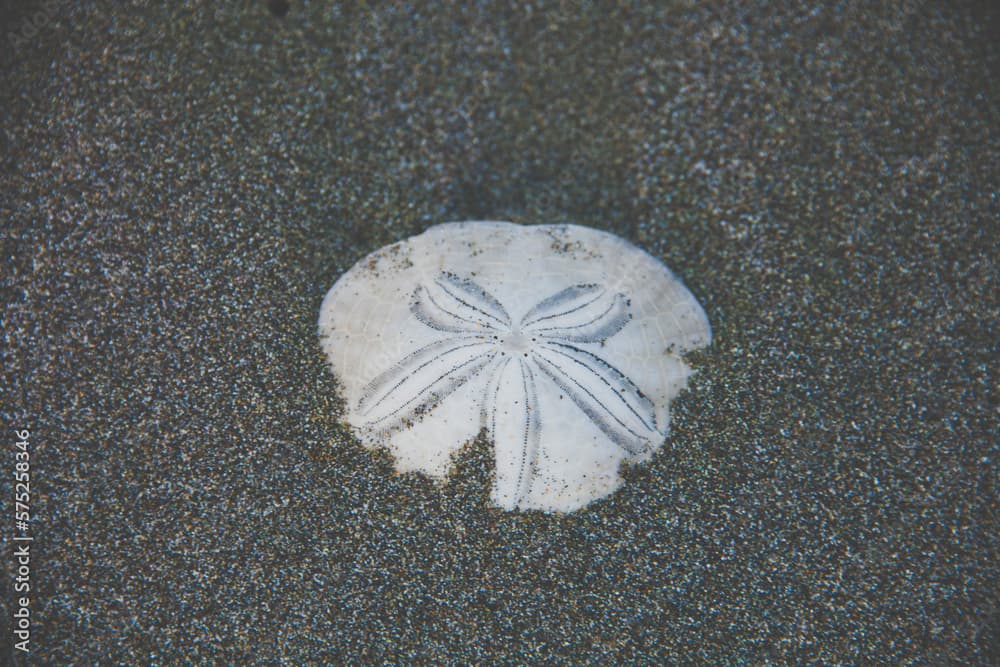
(563, 342)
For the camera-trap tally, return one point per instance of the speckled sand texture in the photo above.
(182, 182)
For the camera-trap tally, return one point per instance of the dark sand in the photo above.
(181, 186)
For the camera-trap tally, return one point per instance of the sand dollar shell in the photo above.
(563, 342)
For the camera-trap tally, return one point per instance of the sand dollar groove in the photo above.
(563, 342)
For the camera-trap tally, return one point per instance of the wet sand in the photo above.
(183, 184)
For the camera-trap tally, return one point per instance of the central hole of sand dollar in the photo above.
(516, 343)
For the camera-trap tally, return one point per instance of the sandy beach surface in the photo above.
(182, 183)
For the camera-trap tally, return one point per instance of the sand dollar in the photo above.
(565, 343)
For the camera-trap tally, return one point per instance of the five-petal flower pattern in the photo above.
(556, 341)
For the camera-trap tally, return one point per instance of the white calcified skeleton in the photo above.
(562, 341)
